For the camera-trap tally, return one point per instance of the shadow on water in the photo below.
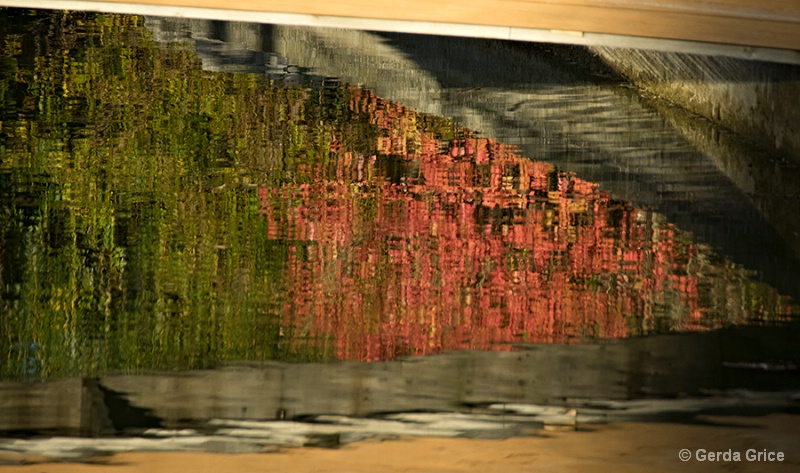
(450, 59)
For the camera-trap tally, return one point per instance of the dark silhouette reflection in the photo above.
(629, 374)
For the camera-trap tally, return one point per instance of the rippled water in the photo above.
(171, 199)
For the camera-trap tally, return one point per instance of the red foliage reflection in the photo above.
(471, 247)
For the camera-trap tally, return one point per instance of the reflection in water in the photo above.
(431, 245)
(701, 178)
(159, 216)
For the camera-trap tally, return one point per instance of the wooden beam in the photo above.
(744, 27)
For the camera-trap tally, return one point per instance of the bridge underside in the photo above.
(737, 28)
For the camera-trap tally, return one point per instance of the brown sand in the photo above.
(633, 447)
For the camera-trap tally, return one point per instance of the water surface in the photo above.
(161, 214)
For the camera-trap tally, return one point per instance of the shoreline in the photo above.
(618, 447)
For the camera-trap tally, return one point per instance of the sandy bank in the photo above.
(629, 447)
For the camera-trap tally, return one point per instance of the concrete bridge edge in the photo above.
(759, 101)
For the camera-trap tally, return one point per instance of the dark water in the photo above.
(174, 196)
